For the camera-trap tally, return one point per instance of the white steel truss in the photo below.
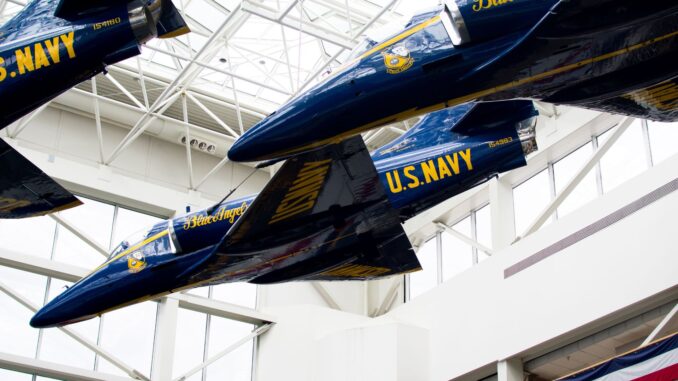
(242, 61)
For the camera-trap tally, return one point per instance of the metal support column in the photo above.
(510, 370)
(502, 218)
(165, 335)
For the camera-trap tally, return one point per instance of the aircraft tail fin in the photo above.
(324, 215)
(455, 123)
(26, 191)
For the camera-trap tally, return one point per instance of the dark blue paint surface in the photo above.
(348, 235)
(49, 47)
(615, 56)
(33, 28)
(44, 55)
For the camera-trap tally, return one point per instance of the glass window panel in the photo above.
(663, 138)
(16, 335)
(8, 375)
(72, 250)
(63, 349)
(529, 199)
(30, 286)
(32, 236)
(189, 343)
(237, 365)
(565, 169)
(129, 222)
(457, 255)
(625, 159)
(128, 333)
(483, 231)
(241, 293)
(426, 279)
(93, 218)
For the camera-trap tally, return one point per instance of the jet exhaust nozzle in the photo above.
(527, 132)
(155, 18)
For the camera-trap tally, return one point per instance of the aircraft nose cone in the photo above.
(43, 319)
(242, 149)
(50, 315)
(262, 142)
(69, 307)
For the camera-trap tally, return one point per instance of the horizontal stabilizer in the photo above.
(324, 215)
(25, 190)
(171, 24)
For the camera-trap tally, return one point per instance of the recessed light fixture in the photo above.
(199, 144)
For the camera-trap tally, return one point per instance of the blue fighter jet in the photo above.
(330, 214)
(616, 56)
(49, 47)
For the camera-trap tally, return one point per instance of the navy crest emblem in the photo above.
(397, 59)
(136, 262)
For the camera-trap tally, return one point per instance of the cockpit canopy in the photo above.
(137, 238)
(373, 37)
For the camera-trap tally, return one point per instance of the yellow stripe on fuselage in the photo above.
(131, 249)
(388, 43)
(473, 96)
(400, 37)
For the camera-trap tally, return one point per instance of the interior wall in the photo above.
(151, 172)
(480, 317)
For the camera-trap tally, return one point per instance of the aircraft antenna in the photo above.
(214, 207)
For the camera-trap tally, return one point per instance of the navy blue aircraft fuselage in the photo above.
(611, 55)
(332, 214)
(49, 47)
(52, 45)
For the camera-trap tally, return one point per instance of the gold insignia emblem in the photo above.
(136, 262)
(397, 60)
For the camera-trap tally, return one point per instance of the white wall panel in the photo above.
(64, 144)
(478, 317)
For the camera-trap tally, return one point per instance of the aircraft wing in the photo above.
(327, 213)
(565, 35)
(26, 191)
(490, 115)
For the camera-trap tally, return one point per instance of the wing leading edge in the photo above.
(567, 34)
(26, 191)
(324, 216)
